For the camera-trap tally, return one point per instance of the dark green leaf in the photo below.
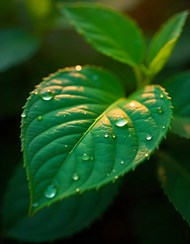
(61, 220)
(16, 46)
(164, 41)
(80, 132)
(179, 89)
(108, 31)
(174, 175)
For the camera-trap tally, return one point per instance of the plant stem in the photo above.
(139, 76)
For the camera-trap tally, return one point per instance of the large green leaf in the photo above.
(174, 175)
(16, 46)
(107, 30)
(80, 132)
(164, 41)
(179, 88)
(61, 220)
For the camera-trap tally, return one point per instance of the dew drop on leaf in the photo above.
(106, 135)
(75, 177)
(148, 137)
(159, 110)
(51, 191)
(85, 157)
(120, 122)
(77, 189)
(47, 94)
(23, 115)
(40, 118)
(35, 205)
(161, 95)
(163, 127)
(122, 162)
(78, 68)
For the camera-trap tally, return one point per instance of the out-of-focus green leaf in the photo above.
(108, 31)
(16, 46)
(178, 87)
(174, 175)
(164, 41)
(61, 220)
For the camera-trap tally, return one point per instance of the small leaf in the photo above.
(61, 220)
(16, 46)
(79, 132)
(174, 175)
(164, 41)
(108, 31)
(178, 87)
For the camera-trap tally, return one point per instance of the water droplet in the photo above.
(76, 177)
(77, 189)
(78, 67)
(122, 162)
(23, 115)
(146, 155)
(113, 136)
(35, 205)
(85, 112)
(113, 170)
(161, 95)
(51, 191)
(106, 135)
(47, 94)
(116, 177)
(85, 157)
(65, 145)
(148, 137)
(159, 110)
(163, 127)
(97, 136)
(107, 174)
(132, 104)
(40, 118)
(120, 122)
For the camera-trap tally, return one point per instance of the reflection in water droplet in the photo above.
(51, 191)
(132, 104)
(75, 177)
(146, 155)
(85, 157)
(120, 122)
(35, 205)
(47, 94)
(23, 115)
(148, 137)
(159, 110)
(78, 67)
(40, 118)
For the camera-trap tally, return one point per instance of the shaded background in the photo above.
(141, 213)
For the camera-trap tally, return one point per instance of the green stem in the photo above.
(139, 76)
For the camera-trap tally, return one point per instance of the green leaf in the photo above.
(79, 132)
(178, 87)
(16, 46)
(61, 220)
(164, 41)
(108, 31)
(174, 175)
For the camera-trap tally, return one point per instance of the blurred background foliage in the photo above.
(36, 40)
